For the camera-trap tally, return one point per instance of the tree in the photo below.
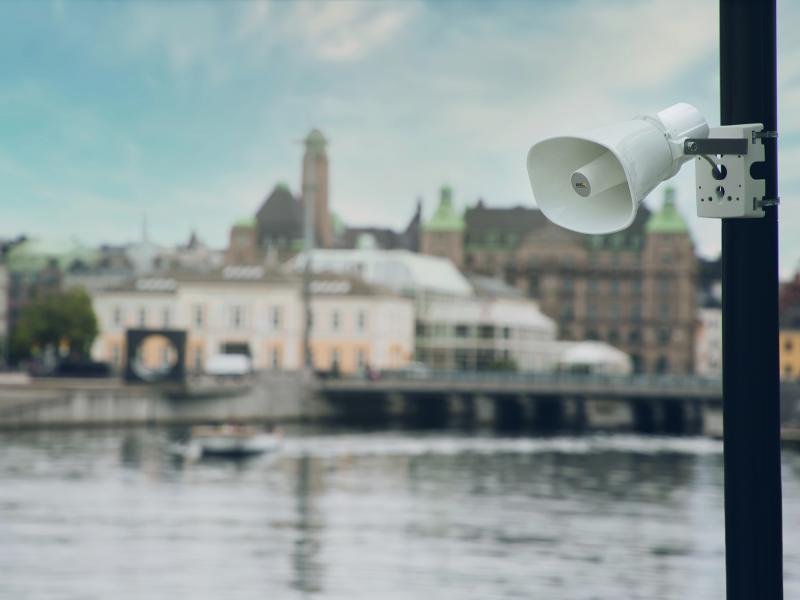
(63, 320)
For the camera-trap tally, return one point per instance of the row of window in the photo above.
(462, 330)
(616, 286)
(663, 335)
(613, 312)
(238, 317)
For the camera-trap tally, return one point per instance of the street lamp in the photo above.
(594, 182)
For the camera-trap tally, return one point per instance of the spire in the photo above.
(446, 218)
(316, 141)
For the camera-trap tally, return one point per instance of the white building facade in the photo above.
(479, 333)
(459, 324)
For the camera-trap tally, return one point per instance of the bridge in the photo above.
(536, 401)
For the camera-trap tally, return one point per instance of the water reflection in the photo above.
(111, 514)
(306, 565)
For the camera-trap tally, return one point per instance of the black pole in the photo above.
(751, 388)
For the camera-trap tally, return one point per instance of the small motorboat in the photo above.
(231, 441)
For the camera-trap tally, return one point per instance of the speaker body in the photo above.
(593, 182)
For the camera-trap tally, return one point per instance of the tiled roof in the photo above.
(481, 221)
(280, 215)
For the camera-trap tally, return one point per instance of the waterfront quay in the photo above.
(525, 402)
(510, 402)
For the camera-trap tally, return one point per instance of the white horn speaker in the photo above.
(593, 182)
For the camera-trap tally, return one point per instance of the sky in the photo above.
(187, 114)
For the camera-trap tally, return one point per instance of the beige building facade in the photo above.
(245, 310)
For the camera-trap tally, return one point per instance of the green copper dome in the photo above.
(446, 218)
(36, 254)
(668, 219)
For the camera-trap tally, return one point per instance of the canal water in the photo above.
(112, 515)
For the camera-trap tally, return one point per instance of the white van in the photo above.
(229, 364)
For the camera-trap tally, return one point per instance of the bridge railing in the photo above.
(556, 379)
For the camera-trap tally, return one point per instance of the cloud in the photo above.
(346, 31)
(411, 95)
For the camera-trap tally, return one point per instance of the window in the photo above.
(664, 286)
(613, 311)
(533, 286)
(662, 365)
(116, 355)
(664, 311)
(591, 311)
(197, 359)
(506, 332)
(634, 336)
(613, 336)
(462, 331)
(360, 359)
(422, 331)
(237, 317)
(275, 318)
(566, 311)
(335, 359)
(117, 316)
(664, 335)
(486, 332)
(198, 315)
(787, 345)
(275, 358)
(142, 317)
(335, 320)
(361, 320)
(636, 312)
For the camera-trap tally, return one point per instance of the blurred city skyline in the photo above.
(188, 114)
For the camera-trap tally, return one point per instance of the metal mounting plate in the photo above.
(737, 194)
(714, 146)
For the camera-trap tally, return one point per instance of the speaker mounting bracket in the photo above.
(724, 185)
